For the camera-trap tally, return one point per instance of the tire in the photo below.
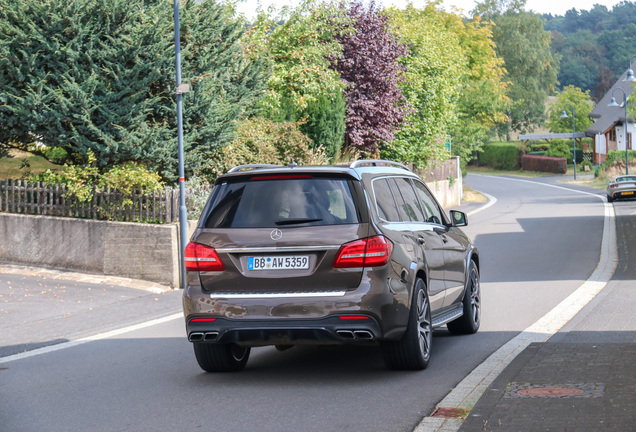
(609, 199)
(413, 351)
(469, 322)
(221, 357)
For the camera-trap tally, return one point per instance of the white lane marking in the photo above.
(100, 336)
(491, 202)
(471, 388)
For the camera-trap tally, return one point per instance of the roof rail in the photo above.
(377, 162)
(247, 167)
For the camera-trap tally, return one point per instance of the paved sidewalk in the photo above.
(583, 378)
(41, 307)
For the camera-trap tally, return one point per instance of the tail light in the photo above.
(368, 252)
(200, 257)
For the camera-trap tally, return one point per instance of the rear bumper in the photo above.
(340, 329)
(309, 318)
(630, 194)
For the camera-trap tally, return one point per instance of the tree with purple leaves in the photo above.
(376, 107)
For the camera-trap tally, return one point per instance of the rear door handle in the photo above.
(421, 240)
(444, 238)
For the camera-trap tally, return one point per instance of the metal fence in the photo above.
(37, 198)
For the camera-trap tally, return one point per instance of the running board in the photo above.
(449, 316)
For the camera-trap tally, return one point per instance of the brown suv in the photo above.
(358, 254)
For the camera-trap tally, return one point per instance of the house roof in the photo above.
(606, 116)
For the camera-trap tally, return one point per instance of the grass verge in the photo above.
(19, 165)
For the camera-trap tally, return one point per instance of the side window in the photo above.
(408, 204)
(384, 200)
(432, 213)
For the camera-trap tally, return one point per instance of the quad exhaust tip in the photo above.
(355, 334)
(203, 337)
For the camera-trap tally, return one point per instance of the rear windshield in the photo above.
(282, 202)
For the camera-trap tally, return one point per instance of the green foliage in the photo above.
(596, 45)
(56, 154)
(531, 68)
(262, 141)
(482, 101)
(94, 71)
(432, 85)
(101, 74)
(502, 156)
(614, 157)
(570, 97)
(298, 47)
(325, 123)
(560, 149)
(82, 181)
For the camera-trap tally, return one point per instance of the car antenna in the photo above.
(292, 164)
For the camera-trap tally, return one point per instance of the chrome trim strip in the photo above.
(278, 249)
(279, 295)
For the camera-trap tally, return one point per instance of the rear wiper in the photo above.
(296, 221)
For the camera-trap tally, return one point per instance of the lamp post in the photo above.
(630, 72)
(565, 115)
(614, 104)
(181, 88)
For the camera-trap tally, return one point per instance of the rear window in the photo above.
(266, 203)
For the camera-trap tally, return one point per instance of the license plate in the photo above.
(278, 263)
(628, 193)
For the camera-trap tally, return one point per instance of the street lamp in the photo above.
(565, 115)
(614, 104)
(181, 88)
(630, 72)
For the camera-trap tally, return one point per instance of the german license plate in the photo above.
(278, 263)
(628, 193)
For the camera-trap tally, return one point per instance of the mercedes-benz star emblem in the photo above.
(276, 234)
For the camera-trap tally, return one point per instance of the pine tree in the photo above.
(99, 75)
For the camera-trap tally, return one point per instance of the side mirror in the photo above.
(458, 219)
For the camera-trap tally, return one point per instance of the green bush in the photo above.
(504, 156)
(82, 181)
(262, 141)
(56, 154)
(612, 157)
(559, 150)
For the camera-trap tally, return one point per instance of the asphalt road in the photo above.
(538, 243)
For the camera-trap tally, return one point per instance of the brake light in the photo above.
(282, 177)
(369, 252)
(200, 257)
(613, 186)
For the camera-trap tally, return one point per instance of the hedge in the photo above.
(544, 164)
(500, 156)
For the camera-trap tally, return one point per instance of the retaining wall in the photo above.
(134, 250)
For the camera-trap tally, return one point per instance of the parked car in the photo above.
(356, 254)
(623, 187)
